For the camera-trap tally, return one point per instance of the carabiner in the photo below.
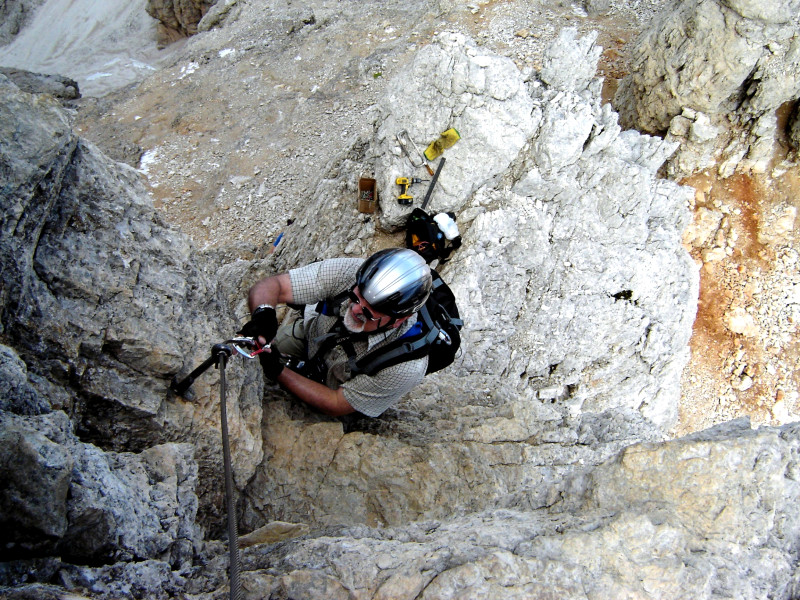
(247, 346)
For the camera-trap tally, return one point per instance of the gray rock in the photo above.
(218, 14)
(705, 517)
(72, 498)
(142, 579)
(734, 61)
(571, 63)
(36, 474)
(181, 16)
(103, 300)
(460, 85)
(37, 83)
(471, 452)
(34, 591)
(14, 15)
(130, 507)
(17, 395)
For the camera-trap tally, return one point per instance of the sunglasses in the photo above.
(364, 310)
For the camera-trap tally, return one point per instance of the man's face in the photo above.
(361, 317)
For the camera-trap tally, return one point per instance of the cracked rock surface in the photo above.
(539, 463)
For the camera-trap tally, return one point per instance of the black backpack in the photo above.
(426, 239)
(436, 334)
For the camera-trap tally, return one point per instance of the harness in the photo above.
(315, 367)
(435, 334)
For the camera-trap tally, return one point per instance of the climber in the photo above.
(349, 307)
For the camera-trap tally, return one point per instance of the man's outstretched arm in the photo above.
(264, 296)
(271, 290)
(327, 401)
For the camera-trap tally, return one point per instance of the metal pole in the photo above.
(432, 184)
(223, 352)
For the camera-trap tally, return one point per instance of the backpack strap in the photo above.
(330, 308)
(314, 367)
(337, 336)
(408, 347)
(413, 344)
(437, 283)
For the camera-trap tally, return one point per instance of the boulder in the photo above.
(732, 63)
(36, 474)
(37, 83)
(102, 300)
(709, 516)
(178, 17)
(65, 497)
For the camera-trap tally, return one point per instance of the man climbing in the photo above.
(350, 308)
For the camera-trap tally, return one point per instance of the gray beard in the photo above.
(351, 323)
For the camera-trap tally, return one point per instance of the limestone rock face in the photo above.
(707, 517)
(101, 300)
(479, 93)
(568, 335)
(535, 466)
(61, 496)
(716, 61)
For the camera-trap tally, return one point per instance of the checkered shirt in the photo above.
(370, 395)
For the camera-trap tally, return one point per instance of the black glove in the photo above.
(264, 323)
(271, 364)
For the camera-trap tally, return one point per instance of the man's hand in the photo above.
(271, 364)
(263, 324)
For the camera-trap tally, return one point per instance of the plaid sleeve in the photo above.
(373, 395)
(323, 280)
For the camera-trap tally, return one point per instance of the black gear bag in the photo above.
(426, 239)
